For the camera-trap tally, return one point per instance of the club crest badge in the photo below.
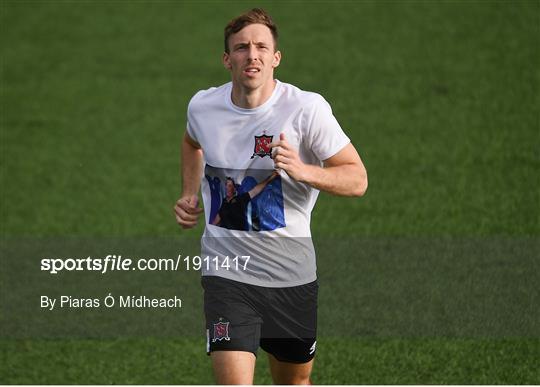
(262, 146)
(221, 331)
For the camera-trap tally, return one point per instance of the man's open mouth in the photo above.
(252, 70)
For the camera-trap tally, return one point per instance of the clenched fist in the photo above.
(186, 211)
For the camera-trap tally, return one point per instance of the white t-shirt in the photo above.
(272, 228)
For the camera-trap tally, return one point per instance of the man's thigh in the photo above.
(290, 373)
(233, 367)
(290, 324)
(232, 324)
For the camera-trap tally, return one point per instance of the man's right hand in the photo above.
(186, 211)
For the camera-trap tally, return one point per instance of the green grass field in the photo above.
(441, 98)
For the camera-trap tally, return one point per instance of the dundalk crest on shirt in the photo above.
(262, 146)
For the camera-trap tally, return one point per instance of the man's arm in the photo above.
(343, 174)
(186, 210)
(259, 187)
(216, 220)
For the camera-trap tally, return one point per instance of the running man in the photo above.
(256, 122)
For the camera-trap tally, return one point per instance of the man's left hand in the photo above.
(287, 158)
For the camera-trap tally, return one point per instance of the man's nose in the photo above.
(253, 53)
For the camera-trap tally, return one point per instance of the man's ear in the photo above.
(226, 61)
(277, 59)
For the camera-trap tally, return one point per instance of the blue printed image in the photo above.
(244, 202)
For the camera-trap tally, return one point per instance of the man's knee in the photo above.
(295, 380)
(290, 373)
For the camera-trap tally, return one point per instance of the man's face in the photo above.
(230, 189)
(251, 58)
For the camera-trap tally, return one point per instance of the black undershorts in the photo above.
(243, 317)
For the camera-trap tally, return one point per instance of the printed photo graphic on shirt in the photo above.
(248, 200)
(262, 146)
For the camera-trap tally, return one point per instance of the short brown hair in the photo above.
(254, 16)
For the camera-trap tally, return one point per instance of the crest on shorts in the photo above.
(221, 331)
(262, 146)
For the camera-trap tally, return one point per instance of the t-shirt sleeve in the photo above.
(324, 134)
(191, 126)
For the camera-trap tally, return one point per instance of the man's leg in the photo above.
(233, 329)
(233, 367)
(289, 333)
(290, 373)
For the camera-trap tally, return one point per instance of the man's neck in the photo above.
(252, 98)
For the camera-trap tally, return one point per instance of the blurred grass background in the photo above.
(440, 98)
